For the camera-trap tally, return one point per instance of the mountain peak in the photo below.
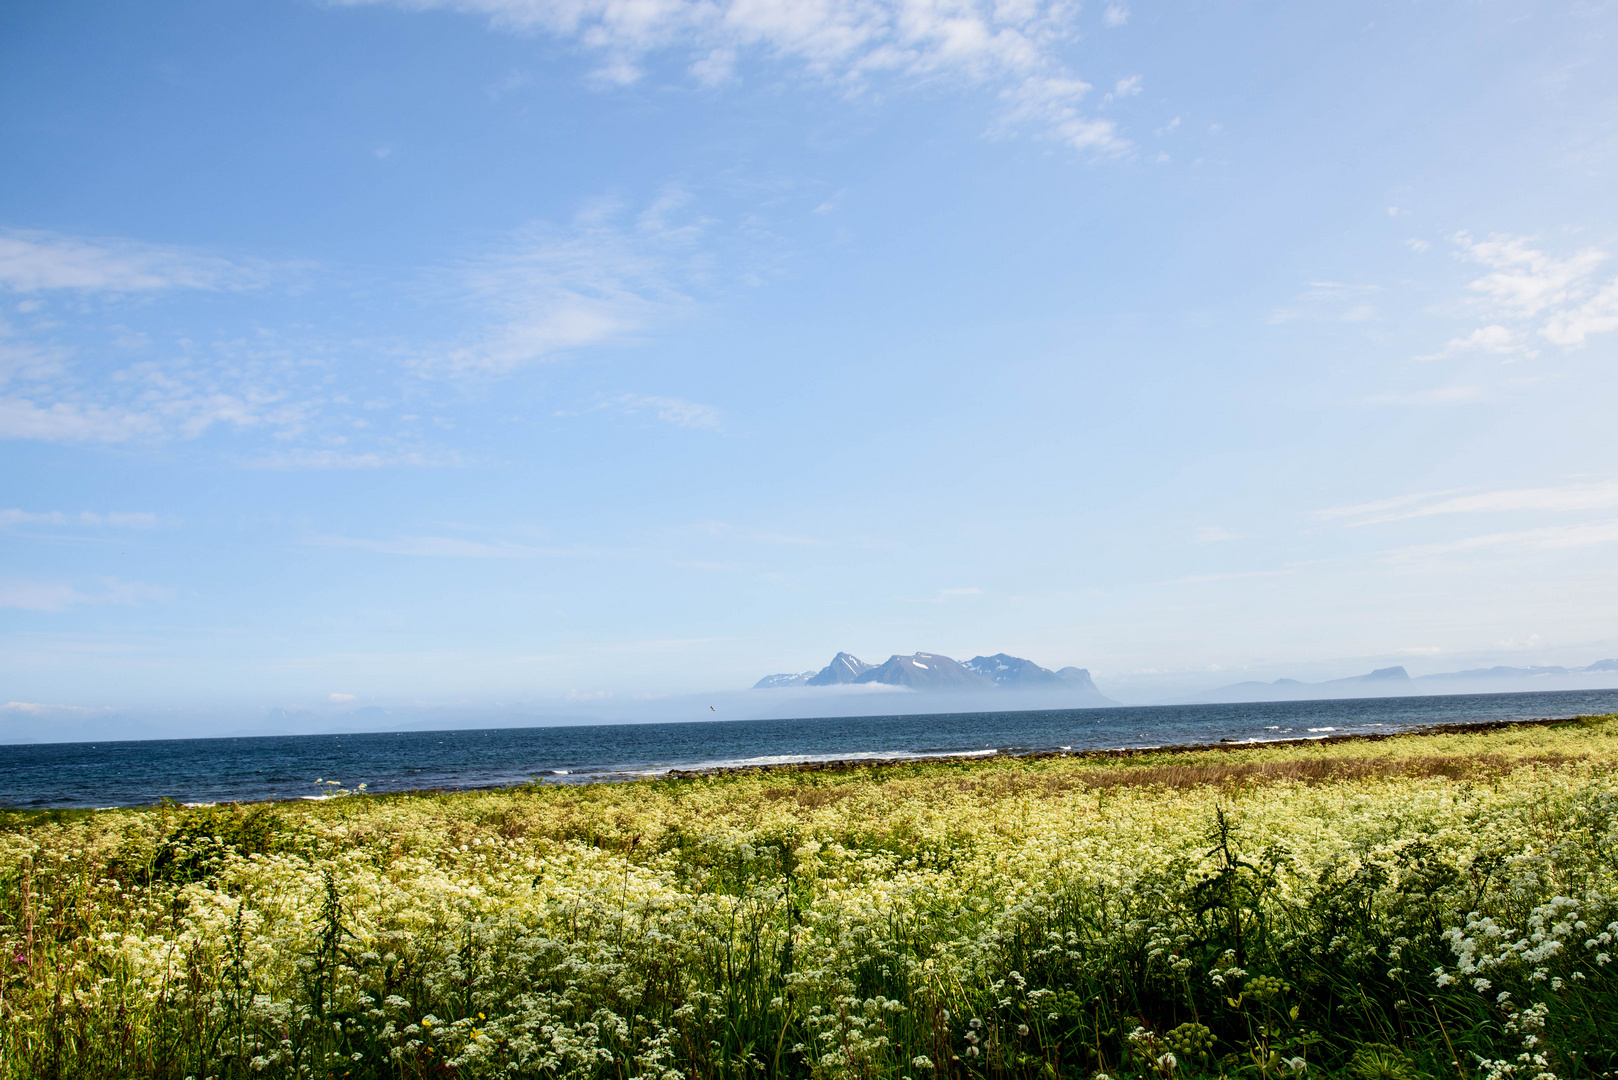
(844, 668)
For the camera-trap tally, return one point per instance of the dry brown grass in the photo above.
(1471, 753)
(1321, 770)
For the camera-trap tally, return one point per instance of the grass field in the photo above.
(1434, 905)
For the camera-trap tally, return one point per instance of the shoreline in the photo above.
(1112, 753)
(849, 765)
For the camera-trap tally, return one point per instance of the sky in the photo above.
(564, 354)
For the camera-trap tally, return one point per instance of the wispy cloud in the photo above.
(1567, 497)
(606, 277)
(1200, 579)
(1525, 281)
(613, 272)
(54, 596)
(1551, 538)
(48, 394)
(73, 421)
(312, 458)
(944, 596)
(1331, 301)
(36, 261)
(1124, 88)
(680, 413)
(1209, 534)
(771, 537)
(451, 547)
(1439, 395)
(1493, 338)
(1010, 49)
(1382, 505)
(785, 539)
(39, 708)
(10, 518)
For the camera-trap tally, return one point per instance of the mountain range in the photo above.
(933, 673)
(985, 679)
(1397, 682)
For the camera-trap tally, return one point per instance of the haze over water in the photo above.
(284, 767)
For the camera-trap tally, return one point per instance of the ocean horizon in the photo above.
(109, 774)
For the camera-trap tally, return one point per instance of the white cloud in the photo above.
(1052, 103)
(158, 402)
(341, 698)
(1493, 338)
(26, 361)
(34, 261)
(27, 595)
(1597, 315)
(1127, 87)
(1525, 281)
(1007, 46)
(1568, 497)
(118, 519)
(1209, 534)
(686, 414)
(68, 421)
(1528, 292)
(718, 67)
(9, 518)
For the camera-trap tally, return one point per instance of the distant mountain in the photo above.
(1535, 672)
(1380, 683)
(986, 676)
(926, 671)
(775, 682)
(1079, 678)
(843, 668)
(1396, 682)
(1013, 671)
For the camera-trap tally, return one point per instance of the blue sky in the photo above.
(574, 352)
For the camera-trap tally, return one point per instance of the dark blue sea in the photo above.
(299, 766)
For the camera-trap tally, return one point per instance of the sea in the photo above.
(252, 769)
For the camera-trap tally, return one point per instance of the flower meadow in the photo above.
(1420, 906)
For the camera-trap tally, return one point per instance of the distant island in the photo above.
(1397, 682)
(935, 674)
(984, 679)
